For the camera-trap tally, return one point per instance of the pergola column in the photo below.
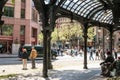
(110, 35)
(52, 25)
(85, 45)
(48, 28)
(103, 56)
(50, 66)
(45, 49)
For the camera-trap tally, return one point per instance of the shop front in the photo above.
(6, 44)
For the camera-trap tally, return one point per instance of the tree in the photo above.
(68, 32)
(91, 33)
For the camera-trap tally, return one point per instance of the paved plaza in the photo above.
(65, 68)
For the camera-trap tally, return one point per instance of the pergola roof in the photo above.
(89, 9)
(95, 11)
(103, 12)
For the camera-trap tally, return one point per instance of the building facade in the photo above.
(20, 27)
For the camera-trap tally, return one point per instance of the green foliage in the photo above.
(7, 76)
(13, 1)
(40, 36)
(55, 35)
(91, 33)
(67, 31)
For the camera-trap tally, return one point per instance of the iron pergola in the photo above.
(105, 13)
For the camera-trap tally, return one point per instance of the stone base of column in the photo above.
(15, 48)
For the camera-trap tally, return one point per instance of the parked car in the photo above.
(40, 50)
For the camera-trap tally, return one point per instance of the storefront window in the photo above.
(9, 11)
(34, 32)
(22, 13)
(34, 15)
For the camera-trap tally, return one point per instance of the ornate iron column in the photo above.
(47, 11)
(103, 44)
(85, 45)
(45, 57)
(46, 30)
(50, 66)
(111, 33)
(52, 25)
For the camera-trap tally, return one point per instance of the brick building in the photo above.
(20, 25)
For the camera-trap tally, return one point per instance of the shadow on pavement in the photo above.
(89, 74)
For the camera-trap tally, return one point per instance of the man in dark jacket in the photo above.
(109, 58)
(116, 66)
(106, 64)
(24, 59)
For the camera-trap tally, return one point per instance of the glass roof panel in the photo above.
(102, 17)
(75, 1)
(97, 15)
(110, 19)
(81, 5)
(105, 15)
(71, 4)
(108, 16)
(87, 8)
(65, 4)
(95, 11)
(75, 6)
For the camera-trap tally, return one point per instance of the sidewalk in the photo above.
(8, 55)
(65, 68)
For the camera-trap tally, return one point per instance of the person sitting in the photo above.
(106, 64)
(116, 66)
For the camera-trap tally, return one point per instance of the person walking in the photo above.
(24, 59)
(33, 55)
(91, 54)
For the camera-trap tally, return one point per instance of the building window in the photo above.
(22, 13)
(9, 11)
(34, 32)
(22, 30)
(34, 15)
(6, 30)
